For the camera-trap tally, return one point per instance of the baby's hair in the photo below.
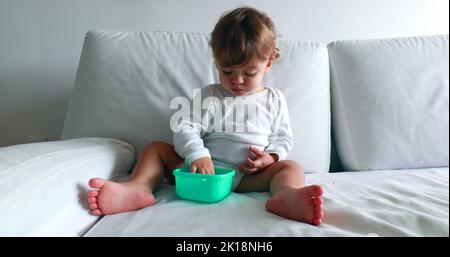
(242, 34)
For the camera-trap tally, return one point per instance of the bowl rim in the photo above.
(182, 172)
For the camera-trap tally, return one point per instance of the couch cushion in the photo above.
(43, 186)
(126, 80)
(390, 103)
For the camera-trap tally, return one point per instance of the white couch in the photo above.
(385, 101)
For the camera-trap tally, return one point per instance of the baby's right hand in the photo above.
(203, 166)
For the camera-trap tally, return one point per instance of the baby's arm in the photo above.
(281, 139)
(188, 142)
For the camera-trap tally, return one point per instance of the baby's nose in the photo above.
(237, 79)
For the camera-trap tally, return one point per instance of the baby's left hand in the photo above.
(262, 161)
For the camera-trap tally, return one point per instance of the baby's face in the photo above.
(245, 79)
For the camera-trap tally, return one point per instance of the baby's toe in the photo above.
(93, 206)
(318, 214)
(96, 212)
(318, 209)
(315, 191)
(317, 222)
(93, 193)
(97, 183)
(317, 202)
(92, 199)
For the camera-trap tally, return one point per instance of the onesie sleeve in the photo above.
(193, 125)
(281, 138)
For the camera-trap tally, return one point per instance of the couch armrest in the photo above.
(43, 186)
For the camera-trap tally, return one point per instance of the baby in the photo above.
(244, 48)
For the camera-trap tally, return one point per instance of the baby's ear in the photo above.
(269, 65)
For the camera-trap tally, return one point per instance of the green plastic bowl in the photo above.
(203, 187)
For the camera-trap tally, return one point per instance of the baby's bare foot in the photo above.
(301, 204)
(111, 197)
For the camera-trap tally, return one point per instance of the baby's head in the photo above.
(244, 48)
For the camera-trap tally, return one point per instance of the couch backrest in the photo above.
(126, 80)
(390, 102)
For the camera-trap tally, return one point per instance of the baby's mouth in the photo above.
(237, 90)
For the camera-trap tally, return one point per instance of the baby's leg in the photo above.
(290, 197)
(110, 197)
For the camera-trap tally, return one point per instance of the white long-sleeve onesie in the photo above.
(226, 125)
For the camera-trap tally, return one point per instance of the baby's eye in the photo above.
(250, 74)
(226, 72)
